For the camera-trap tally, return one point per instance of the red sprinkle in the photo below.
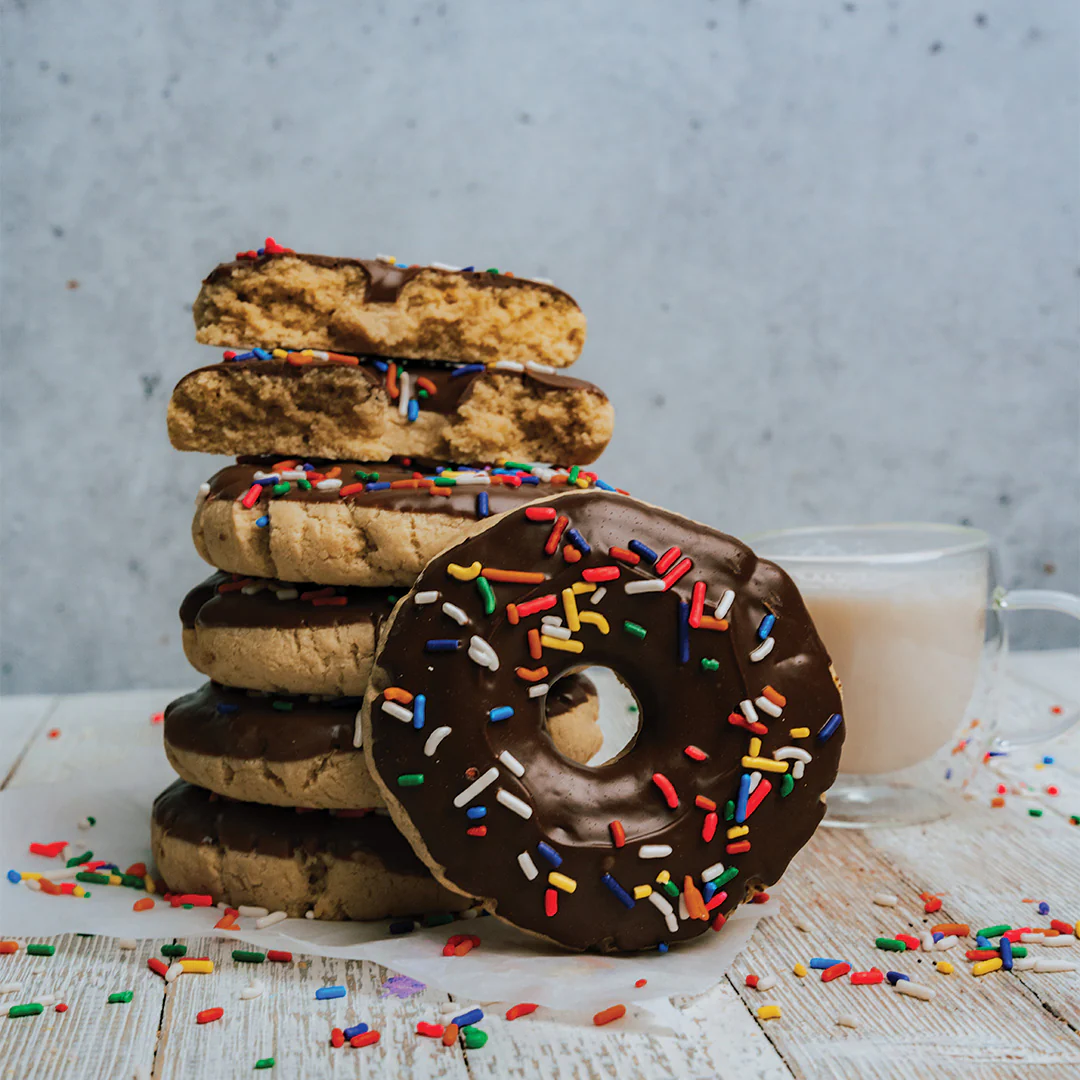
(477, 830)
(719, 921)
(697, 604)
(279, 957)
(194, 899)
(738, 848)
(703, 803)
(524, 1008)
(540, 513)
(911, 942)
(932, 905)
(835, 972)
(551, 902)
(708, 830)
(252, 496)
(605, 1016)
(668, 790)
(365, 1039)
(61, 1007)
(752, 981)
(640, 983)
(667, 560)
(623, 555)
(601, 573)
(716, 901)
(736, 719)
(760, 898)
(1063, 927)
(337, 1037)
(50, 851)
(541, 603)
(552, 543)
(618, 833)
(863, 978)
(158, 967)
(208, 1016)
(759, 793)
(682, 567)
(157, 718)
(432, 1031)
(54, 733)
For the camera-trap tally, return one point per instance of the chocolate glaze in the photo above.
(681, 704)
(205, 606)
(186, 812)
(385, 281)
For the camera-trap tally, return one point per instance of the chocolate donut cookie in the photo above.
(739, 737)
(340, 867)
(373, 410)
(354, 523)
(295, 751)
(374, 306)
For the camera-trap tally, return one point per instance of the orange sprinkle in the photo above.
(960, 929)
(145, 904)
(531, 674)
(391, 381)
(709, 623)
(512, 614)
(445, 491)
(774, 696)
(518, 577)
(450, 1035)
(524, 1008)
(396, 693)
(605, 1016)
(739, 848)
(463, 948)
(424, 383)
(396, 484)
(535, 651)
(8, 947)
(997, 802)
(695, 905)
(571, 554)
(332, 474)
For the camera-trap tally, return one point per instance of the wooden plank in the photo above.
(22, 718)
(93, 1039)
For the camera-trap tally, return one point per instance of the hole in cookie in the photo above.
(592, 716)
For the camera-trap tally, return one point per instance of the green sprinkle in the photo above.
(993, 931)
(574, 473)
(280, 489)
(282, 706)
(726, 876)
(787, 785)
(86, 896)
(264, 1063)
(671, 889)
(133, 881)
(709, 665)
(243, 956)
(517, 465)
(487, 594)
(40, 950)
(445, 481)
(1019, 951)
(491, 270)
(890, 944)
(1074, 819)
(86, 856)
(391, 600)
(440, 918)
(729, 810)
(474, 1037)
(631, 708)
(187, 907)
(173, 950)
(361, 475)
(1034, 811)
(411, 779)
(303, 485)
(92, 877)
(421, 393)
(632, 628)
(32, 1009)
(121, 997)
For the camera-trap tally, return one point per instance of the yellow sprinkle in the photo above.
(279, 354)
(984, 967)
(581, 482)
(944, 967)
(114, 879)
(561, 881)
(800, 970)
(30, 875)
(78, 891)
(642, 891)
(596, 619)
(148, 881)
(564, 646)
(737, 830)
(197, 967)
(764, 764)
(768, 1012)
(464, 573)
(799, 733)
(569, 604)
(580, 587)
(1039, 765)
(755, 747)
(1076, 929)
(663, 877)
(306, 352)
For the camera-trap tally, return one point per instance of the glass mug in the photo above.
(903, 610)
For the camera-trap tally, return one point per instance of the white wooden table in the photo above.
(984, 861)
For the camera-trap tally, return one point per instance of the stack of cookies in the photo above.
(380, 412)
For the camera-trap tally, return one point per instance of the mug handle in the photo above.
(1006, 600)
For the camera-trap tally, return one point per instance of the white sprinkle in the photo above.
(944, 943)
(260, 475)
(67, 852)
(598, 595)
(404, 382)
(476, 787)
(253, 991)
(684, 914)
(318, 354)
(293, 474)
(755, 779)
(797, 770)
(927, 940)
(654, 851)
(802, 924)
(328, 485)
(246, 911)
(66, 874)
(270, 920)
(765, 984)
(10, 988)
(398, 712)
(542, 280)
(1030, 939)
(254, 588)
(46, 999)
(127, 943)
(204, 490)
(796, 752)
(713, 871)
(286, 594)
(512, 763)
(1062, 941)
(846, 1020)
(444, 266)
(644, 585)
(882, 899)
(723, 605)
(762, 651)
(358, 730)
(428, 597)
(470, 913)
(915, 990)
(668, 911)
(174, 972)
(1024, 963)
(512, 802)
(473, 479)
(538, 689)
(544, 369)
(455, 613)
(749, 711)
(508, 365)
(528, 867)
(310, 913)
(560, 632)
(551, 620)
(482, 653)
(434, 739)
(32, 884)
(85, 823)
(386, 259)
(767, 706)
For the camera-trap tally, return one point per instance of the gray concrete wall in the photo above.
(827, 251)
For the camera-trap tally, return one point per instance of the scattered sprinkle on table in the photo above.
(606, 1016)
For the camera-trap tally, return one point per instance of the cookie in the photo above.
(354, 523)
(335, 409)
(339, 867)
(373, 306)
(739, 738)
(295, 751)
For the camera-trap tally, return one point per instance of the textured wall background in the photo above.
(827, 251)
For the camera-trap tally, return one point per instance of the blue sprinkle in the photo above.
(413, 411)
(356, 1029)
(403, 926)
(419, 711)
(466, 369)
(638, 548)
(684, 632)
(623, 896)
(501, 712)
(984, 942)
(482, 510)
(823, 962)
(473, 1016)
(381, 485)
(1044, 908)
(530, 479)
(467, 269)
(262, 354)
(765, 626)
(830, 727)
(1048, 760)
(243, 356)
(895, 976)
(662, 947)
(550, 854)
(1006, 953)
(998, 753)
(225, 708)
(938, 935)
(476, 812)
(442, 645)
(14, 877)
(308, 467)
(948, 774)
(708, 891)
(740, 802)
(381, 365)
(262, 522)
(325, 992)
(578, 541)
(267, 481)
(604, 486)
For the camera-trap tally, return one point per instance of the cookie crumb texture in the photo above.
(337, 411)
(301, 302)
